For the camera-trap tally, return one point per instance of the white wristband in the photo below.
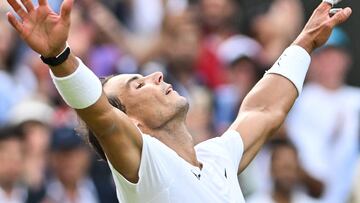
(80, 89)
(293, 64)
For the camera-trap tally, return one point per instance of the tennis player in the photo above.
(139, 121)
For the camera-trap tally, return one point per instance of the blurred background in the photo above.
(213, 52)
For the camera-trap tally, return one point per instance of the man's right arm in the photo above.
(46, 33)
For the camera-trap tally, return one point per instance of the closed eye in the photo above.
(140, 85)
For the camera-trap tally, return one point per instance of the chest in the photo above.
(215, 182)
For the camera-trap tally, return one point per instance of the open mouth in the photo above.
(169, 90)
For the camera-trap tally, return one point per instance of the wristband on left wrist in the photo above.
(59, 59)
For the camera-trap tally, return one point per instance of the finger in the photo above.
(65, 11)
(340, 17)
(333, 11)
(17, 8)
(14, 22)
(329, 2)
(28, 5)
(324, 7)
(43, 2)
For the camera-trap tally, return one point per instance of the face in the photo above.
(244, 75)
(70, 166)
(331, 73)
(216, 12)
(37, 138)
(285, 168)
(148, 100)
(184, 36)
(11, 153)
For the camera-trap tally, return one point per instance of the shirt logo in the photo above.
(196, 173)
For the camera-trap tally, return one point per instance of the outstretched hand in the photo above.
(41, 28)
(319, 27)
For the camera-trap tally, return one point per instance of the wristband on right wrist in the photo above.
(293, 64)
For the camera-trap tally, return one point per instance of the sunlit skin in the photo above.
(147, 112)
(153, 111)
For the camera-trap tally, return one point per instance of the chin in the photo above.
(181, 106)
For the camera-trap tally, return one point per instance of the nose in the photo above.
(158, 77)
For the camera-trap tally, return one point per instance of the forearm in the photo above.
(82, 91)
(277, 91)
(265, 108)
(273, 95)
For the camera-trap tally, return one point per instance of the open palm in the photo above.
(41, 28)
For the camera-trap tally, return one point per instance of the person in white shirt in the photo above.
(139, 121)
(288, 179)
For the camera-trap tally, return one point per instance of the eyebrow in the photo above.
(131, 80)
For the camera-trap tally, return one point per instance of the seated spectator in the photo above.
(287, 177)
(70, 160)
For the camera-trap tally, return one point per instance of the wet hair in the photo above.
(86, 132)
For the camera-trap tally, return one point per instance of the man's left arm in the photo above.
(265, 108)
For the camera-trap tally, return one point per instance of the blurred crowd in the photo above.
(213, 52)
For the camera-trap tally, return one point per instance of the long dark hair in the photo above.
(85, 131)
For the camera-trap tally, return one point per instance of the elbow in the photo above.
(277, 119)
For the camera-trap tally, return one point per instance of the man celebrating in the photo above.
(139, 122)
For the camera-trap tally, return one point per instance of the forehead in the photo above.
(119, 82)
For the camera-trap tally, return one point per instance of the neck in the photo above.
(281, 196)
(176, 136)
(7, 188)
(331, 86)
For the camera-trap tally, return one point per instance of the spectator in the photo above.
(287, 178)
(324, 123)
(70, 160)
(268, 28)
(219, 22)
(11, 159)
(239, 55)
(34, 118)
(17, 81)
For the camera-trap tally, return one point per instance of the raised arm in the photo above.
(46, 33)
(264, 109)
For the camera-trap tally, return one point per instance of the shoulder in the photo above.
(219, 143)
(227, 148)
